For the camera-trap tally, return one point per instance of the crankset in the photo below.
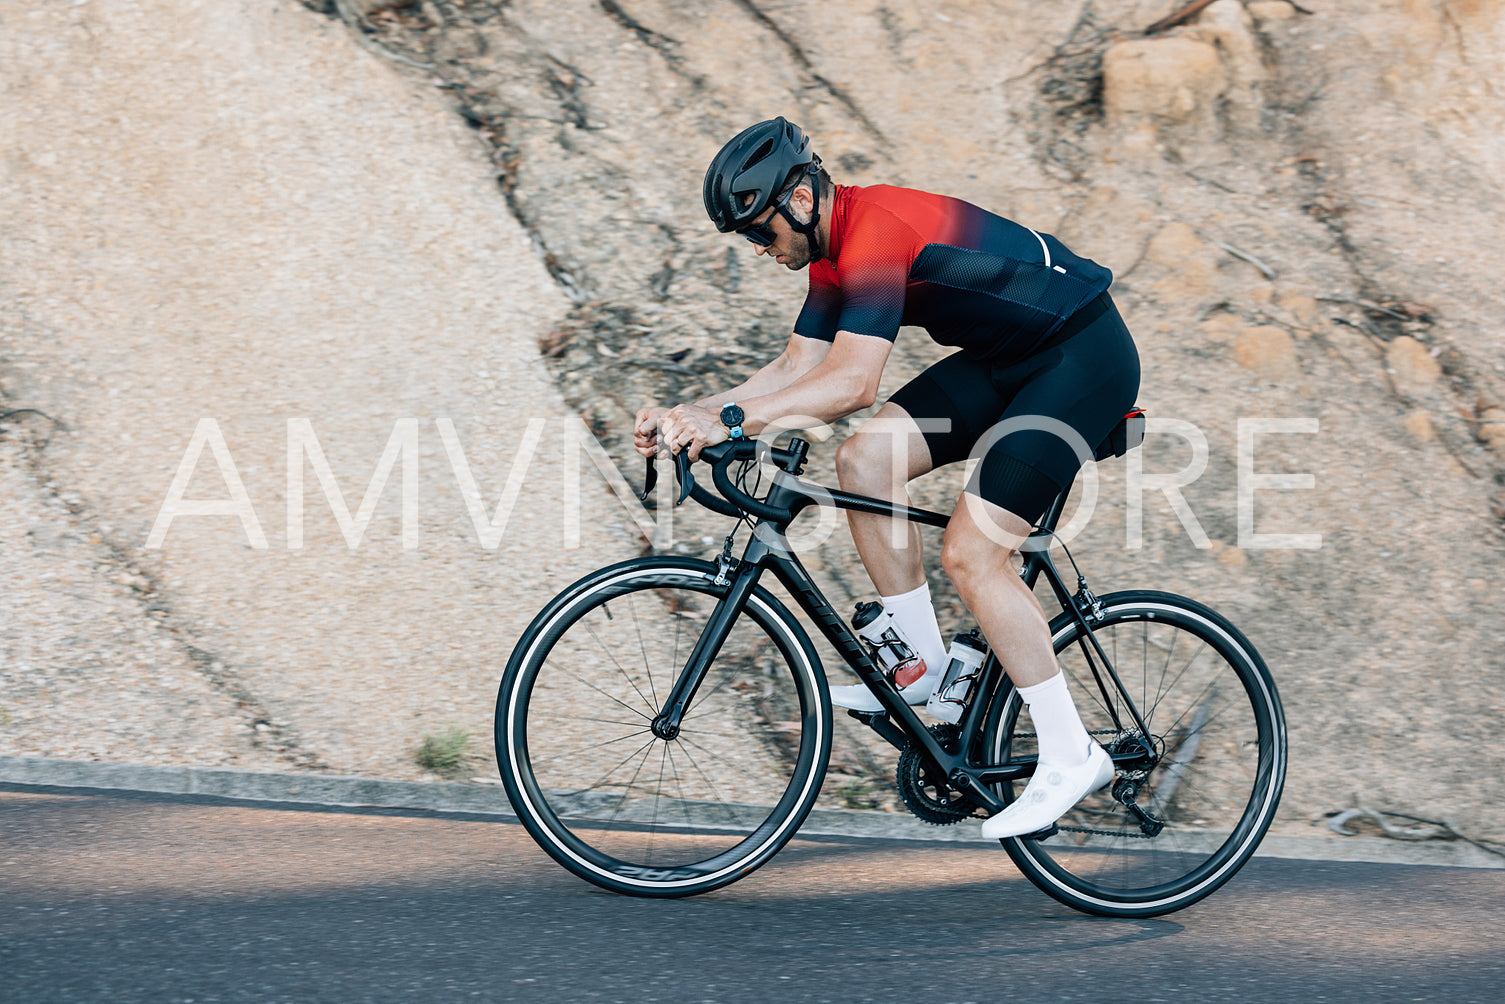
(924, 791)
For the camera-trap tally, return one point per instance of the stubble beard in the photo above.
(799, 252)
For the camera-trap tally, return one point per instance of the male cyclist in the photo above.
(1039, 341)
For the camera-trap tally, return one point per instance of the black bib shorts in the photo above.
(1086, 381)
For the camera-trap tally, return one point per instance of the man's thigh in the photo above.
(953, 404)
(894, 438)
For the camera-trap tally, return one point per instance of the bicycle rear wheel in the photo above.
(630, 811)
(1213, 768)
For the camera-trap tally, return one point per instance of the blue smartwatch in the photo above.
(731, 417)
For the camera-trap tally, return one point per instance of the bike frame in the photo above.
(768, 549)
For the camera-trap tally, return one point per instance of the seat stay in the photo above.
(1097, 659)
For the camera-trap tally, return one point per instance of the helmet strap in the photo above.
(809, 229)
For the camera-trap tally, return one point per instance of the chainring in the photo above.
(928, 797)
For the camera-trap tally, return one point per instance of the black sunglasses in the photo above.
(762, 234)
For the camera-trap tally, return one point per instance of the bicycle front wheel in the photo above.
(618, 805)
(1212, 768)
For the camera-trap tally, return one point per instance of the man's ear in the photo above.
(802, 199)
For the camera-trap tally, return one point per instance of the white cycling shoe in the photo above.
(1049, 795)
(859, 698)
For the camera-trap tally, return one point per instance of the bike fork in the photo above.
(666, 724)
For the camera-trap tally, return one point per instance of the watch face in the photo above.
(731, 416)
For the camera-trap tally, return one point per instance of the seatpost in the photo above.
(1053, 514)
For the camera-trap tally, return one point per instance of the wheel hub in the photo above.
(1146, 754)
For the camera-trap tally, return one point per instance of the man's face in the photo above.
(790, 249)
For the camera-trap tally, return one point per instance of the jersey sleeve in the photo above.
(873, 272)
(822, 310)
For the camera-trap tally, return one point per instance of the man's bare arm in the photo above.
(843, 381)
(798, 358)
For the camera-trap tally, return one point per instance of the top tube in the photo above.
(790, 495)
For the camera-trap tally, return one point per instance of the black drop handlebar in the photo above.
(736, 503)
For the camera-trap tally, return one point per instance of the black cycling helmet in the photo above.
(759, 161)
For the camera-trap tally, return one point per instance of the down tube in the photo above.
(794, 577)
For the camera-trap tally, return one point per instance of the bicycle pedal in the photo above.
(1044, 834)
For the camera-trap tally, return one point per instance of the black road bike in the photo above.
(663, 725)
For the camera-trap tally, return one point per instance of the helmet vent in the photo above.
(761, 153)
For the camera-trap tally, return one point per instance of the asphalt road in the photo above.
(165, 898)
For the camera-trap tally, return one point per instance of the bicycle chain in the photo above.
(919, 801)
(1104, 833)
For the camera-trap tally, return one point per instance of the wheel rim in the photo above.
(1215, 780)
(615, 801)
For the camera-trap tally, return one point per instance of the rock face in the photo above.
(270, 228)
(1177, 80)
(1302, 211)
(1268, 350)
(1414, 369)
(1188, 265)
(1190, 87)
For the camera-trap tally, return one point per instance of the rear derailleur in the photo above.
(1126, 790)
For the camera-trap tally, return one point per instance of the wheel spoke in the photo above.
(637, 625)
(726, 810)
(630, 784)
(612, 656)
(610, 799)
(586, 683)
(594, 746)
(1166, 688)
(1212, 722)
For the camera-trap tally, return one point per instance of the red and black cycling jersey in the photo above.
(980, 282)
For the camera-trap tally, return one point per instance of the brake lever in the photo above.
(686, 479)
(650, 479)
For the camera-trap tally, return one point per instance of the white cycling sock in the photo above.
(914, 615)
(1063, 739)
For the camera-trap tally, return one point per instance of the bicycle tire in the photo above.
(622, 808)
(1217, 723)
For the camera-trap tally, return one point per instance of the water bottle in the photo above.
(891, 650)
(963, 666)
